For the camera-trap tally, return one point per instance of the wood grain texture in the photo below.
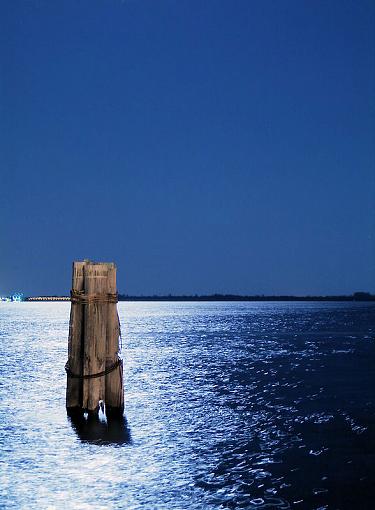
(114, 393)
(95, 334)
(74, 386)
(93, 344)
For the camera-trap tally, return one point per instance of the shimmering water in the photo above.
(228, 405)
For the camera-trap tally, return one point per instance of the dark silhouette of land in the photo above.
(356, 296)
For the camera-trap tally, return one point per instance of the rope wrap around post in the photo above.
(108, 370)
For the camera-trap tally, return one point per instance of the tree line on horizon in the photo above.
(356, 296)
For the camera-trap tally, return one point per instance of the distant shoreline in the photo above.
(357, 296)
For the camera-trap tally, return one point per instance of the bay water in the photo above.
(227, 405)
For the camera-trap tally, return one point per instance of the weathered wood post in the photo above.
(94, 369)
(94, 334)
(75, 356)
(114, 395)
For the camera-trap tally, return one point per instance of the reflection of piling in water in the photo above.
(94, 368)
(98, 431)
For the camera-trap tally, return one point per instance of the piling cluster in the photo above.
(94, 367)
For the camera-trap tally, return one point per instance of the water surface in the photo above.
(227, 405)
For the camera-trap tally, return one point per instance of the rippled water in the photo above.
(228, 405)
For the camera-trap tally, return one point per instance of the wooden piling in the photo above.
(94, 369)
(114, 396)
(74, 386)
(95, 333)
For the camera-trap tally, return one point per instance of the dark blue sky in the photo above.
(204, 146)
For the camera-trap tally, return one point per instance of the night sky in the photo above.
(204, 146)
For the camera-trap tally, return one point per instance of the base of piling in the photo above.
(76, 412)
(114, 412)
(109, 412)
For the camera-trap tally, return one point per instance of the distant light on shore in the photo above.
(17, 297)
(48, 298)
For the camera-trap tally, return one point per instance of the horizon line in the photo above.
(355, 296)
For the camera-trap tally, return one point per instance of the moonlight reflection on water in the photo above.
(227, 405)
